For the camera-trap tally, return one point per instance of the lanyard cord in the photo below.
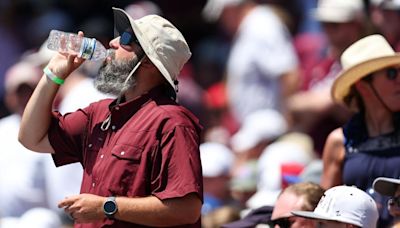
(107, 122)
(377, 95)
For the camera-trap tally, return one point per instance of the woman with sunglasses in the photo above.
(368, 145)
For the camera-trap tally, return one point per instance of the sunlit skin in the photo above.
(286, 203)
(333, 224)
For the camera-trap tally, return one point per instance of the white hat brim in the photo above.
(341, 86)
(313, 215)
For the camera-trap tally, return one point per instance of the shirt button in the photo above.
(123, 152)
(90, 145)
(93, 184)
(117, 108)
(113, 127)
(101, 156)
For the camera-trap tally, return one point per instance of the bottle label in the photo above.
(87, 48)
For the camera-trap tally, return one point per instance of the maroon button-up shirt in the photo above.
(150, 148)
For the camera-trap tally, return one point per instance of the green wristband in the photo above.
(53, 77)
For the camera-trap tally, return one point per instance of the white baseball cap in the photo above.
(386, 186)
(345, 204)
(216, 159)
(162, 42)
(338, 11)
(266, 124)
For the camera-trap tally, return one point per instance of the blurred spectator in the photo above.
(258, 130)
(385, 14)
(220, 216)
(343, 23)
(312, 172)
(367, 146)
(300, 196)
(11, 49)
(390, 187)
(216, 161)
(280, 162)
(243, 183)
(219, 124)
(262, 65)
(22, 177)
(33, 218)
(142, 8)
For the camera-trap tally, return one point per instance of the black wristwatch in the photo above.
(110, 207)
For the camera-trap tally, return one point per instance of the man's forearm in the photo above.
(151, 211)
(37, 115)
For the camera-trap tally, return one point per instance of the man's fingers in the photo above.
(68, 201)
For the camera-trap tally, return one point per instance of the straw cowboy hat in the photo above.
(367, 55)
(162, 42)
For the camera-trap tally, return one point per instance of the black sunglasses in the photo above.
(283, 222)
(392, 73)
(127, 38)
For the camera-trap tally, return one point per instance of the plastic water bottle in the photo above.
(70, 43)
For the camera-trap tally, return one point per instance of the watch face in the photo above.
(110, 207)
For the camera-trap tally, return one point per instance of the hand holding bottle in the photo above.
(63, 64)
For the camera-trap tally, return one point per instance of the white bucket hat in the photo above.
(386, 186)
(338, 11)
(345, 204)
(162, 42)
(367, 55)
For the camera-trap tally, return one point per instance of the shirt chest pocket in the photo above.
(127, 152)
(123, 168)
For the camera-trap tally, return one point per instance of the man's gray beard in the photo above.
(112, 76)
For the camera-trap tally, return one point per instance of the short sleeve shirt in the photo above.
(262, 51)
(151, 147)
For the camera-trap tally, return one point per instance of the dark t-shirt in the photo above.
(150, 148)
(368, 158)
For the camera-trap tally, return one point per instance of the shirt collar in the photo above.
(123, 111)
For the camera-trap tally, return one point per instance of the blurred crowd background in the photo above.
(260, 85)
